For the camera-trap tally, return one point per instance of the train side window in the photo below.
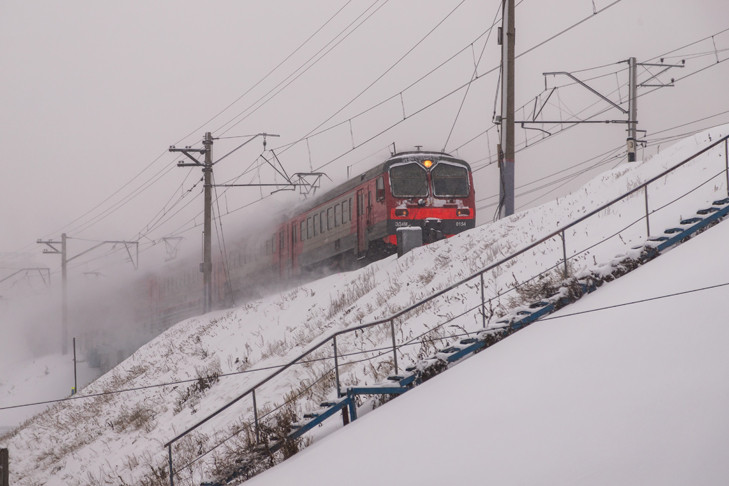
(293, 233)
(303, 230)
(281, 241)
(360, 204)
(315, 225)
(380, 188)
(337, 211)
(330, 218)
(322, 222)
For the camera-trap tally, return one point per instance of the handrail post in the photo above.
(647, 218)
(726, 162)
(394, 347)
(255, 417)
(483, 304)
(172, 474)
(564, 253)
(336, 366)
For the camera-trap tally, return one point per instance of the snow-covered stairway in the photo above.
(584, 284)
(566, 285)
(571, 291)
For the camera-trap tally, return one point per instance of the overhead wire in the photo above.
(134, 193)
(670, 295)
(529, 50)
(111, 211)
(475, 73)
(390, 68)
(607, 154)
(270, 72)
(303, 68)
(424, 108)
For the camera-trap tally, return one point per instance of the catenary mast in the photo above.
(506, 146)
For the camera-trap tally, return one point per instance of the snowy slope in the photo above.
(53, 374)
(101, 439)
(632, 395)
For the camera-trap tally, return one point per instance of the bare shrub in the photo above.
(543, 286)
(135, 418)
(362, 285)
(206, 378)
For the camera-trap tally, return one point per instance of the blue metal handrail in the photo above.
(560, 232)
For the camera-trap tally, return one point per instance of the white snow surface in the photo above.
(631, 395)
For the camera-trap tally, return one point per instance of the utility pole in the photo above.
(53, 249)
(207, 230)
(206, 267)
(506, 146)
(632, 108)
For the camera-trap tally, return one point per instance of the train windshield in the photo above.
(408, 180)
(449, 180)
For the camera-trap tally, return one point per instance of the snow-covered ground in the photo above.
(632, 395)
(538, 390)
(53, 375)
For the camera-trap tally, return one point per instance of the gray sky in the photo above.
(93, 94)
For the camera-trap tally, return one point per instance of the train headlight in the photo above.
(463, 212)
(428, 163)
(401, 213)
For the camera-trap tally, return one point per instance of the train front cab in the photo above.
(431, 190)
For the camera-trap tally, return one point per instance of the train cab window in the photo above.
(449, 180)
(380, 188)
(408, 180)
(330, 218)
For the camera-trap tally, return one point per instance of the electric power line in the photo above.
(307, 362)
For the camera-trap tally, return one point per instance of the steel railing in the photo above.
(561, 233)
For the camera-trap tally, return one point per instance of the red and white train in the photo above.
(352, 223)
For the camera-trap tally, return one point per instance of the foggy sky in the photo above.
(95, 92)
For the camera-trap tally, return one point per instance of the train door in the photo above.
(361, 223)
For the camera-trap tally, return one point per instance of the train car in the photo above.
(350, 225)
(358, 220)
